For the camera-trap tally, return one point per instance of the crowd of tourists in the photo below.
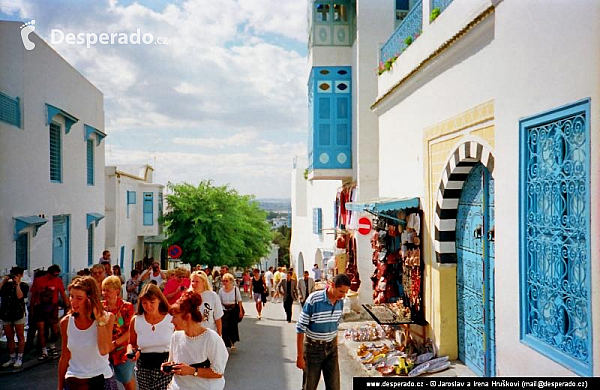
(158, 329)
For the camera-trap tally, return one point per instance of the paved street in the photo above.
(265, 358)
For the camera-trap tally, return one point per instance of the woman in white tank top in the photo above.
(86, 339)
(150, 336)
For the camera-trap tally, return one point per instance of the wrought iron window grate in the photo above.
(555, 236)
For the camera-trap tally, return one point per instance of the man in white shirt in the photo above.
(269, 278)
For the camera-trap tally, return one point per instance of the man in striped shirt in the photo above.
(316, 335)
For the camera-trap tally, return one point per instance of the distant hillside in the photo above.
(275, 204)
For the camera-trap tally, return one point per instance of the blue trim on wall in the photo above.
(568, 361)
(70, 120)
(93, 218)
(24, 222)
(89, 130)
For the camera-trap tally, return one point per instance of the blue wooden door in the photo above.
(60, 244)
(475, 272)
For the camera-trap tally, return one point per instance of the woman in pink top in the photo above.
(246, 277)
(176, 286)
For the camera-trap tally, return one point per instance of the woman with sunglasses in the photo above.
(197, 356)
(211, 309)
(86, 334)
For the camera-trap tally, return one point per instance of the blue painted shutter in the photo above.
(317, 220)
(122, 258)
(90, 162)
(148, 209)
(22, 254)
(55, 154)
(90, 240)
(10, 111)
(130, 200)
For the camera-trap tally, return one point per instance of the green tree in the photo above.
(216, 225)
(282, 237)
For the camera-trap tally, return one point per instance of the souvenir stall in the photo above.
(397, 280)
(345, 242)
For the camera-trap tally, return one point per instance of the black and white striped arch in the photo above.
(455, 173)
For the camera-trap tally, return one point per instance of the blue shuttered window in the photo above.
(90, 162)
(90, 239)
(555, 252)
(130, 200)
(22, 246)
(10, 110)
(55, 154)
(160, 204)
(122, 259)
(148, 209)
(317, 220)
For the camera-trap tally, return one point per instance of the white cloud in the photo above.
(240, 139)
(224, 82)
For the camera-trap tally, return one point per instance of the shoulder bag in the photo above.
(240, 305)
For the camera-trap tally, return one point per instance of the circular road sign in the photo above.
(175, 251)
(364, 226)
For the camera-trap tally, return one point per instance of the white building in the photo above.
(485, 119)
(133, 206)
(52, 171)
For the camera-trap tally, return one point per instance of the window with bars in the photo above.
(555, 247)
(90, 162)
(22, 249)
(10, 110)
(90, 240)
(55, 154)
(148, 209)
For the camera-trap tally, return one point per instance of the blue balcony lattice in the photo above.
(441, 4)
(410, 27)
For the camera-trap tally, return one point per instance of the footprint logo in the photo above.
(27, 29)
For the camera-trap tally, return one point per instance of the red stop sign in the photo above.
(364, 226)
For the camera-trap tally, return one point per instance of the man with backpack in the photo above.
(12, 313)
(44, 305)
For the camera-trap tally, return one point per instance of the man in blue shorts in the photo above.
(316, 335)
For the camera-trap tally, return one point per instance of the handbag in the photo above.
(240, 306)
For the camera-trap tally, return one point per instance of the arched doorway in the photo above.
(475, 272)
(300, 265)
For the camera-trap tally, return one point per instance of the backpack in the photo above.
(12, 308)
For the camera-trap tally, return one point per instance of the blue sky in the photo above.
(224, 100)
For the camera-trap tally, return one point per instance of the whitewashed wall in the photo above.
(37, 77)
(529, 57)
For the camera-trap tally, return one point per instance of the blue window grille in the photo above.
(10, 110)
(22, 250)
(148, 209)
(130, 200)
(90, 162)
(55, 154)
(555, 253)
(122, 259)
(317, 220)
(90, 243)
(411, 26)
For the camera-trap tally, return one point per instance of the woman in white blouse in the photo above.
(150, 336)
(197, 356)
(231, 298)
(211, 308)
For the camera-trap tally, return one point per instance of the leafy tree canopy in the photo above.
(216, 225)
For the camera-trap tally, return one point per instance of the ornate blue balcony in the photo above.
(441, 4)
(410, 27)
